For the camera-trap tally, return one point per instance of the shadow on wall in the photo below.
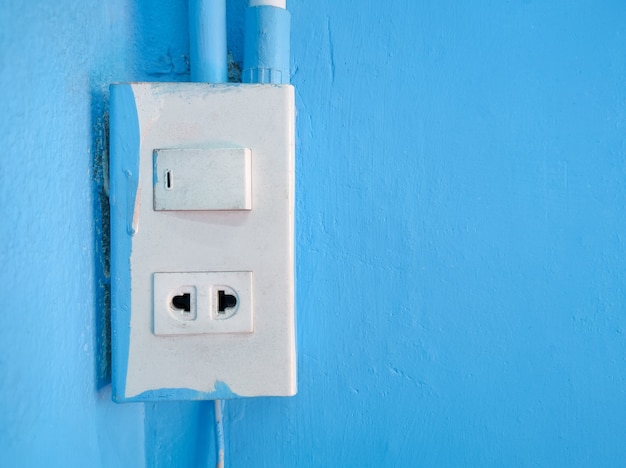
(102, 274)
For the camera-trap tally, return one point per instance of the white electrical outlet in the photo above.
(202, 225)
(203, 302)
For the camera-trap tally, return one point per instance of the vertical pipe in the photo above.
(207, 41)
(266, 45)
(219, 434)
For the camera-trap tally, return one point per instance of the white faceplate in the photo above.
(230, 228)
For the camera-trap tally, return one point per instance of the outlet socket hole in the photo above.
(182, 302)
(225, 301)
(168, 179)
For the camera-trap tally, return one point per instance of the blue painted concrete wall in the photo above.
(461, 248)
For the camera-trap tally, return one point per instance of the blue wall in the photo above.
(461, 248)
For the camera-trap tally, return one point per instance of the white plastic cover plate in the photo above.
(168, 264)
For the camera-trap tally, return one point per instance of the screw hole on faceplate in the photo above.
(168, 179)
(225, 301)
(182, 302)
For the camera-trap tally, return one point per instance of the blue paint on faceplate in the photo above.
(221, 391)
(155, 174)
(124, 176)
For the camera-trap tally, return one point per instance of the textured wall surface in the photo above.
(461, 248)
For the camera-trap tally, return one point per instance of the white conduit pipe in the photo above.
(275, 3)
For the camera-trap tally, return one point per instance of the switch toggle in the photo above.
(202, 179)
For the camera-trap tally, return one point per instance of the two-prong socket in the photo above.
(203, 302)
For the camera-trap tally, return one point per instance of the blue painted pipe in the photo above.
(266, 45)
(207, 41)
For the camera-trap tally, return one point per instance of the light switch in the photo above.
(202, 179)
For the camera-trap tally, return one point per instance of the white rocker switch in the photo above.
(202, 179)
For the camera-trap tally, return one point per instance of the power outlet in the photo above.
(203, 302)
(202, 241)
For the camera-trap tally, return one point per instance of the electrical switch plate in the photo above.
(202, 225)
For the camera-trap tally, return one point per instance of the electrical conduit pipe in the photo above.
(266, 46)
(207, 41)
